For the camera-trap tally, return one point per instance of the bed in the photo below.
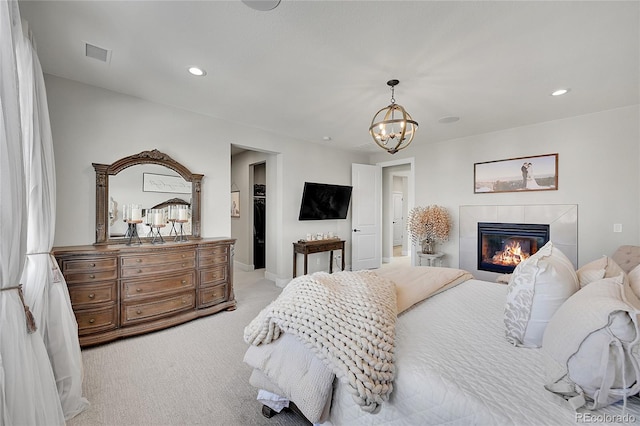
(453, 366)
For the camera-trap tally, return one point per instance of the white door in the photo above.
(366, 217)
(398, 219)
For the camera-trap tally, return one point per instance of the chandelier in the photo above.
(392, 128)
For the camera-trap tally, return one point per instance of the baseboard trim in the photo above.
(243, 266)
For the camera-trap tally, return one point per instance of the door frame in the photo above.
(410, 199)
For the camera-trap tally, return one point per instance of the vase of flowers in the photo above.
(429, 225)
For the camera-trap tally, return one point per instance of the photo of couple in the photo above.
(503, 176)
(528, 181)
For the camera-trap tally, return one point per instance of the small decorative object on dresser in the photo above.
(120, 290)
(428, 225)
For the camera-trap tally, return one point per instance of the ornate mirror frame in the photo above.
(103, 171)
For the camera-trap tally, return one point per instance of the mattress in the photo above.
(455, 367)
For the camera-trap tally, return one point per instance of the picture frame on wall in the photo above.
(521, 174)
(235, 203)
(153, 182)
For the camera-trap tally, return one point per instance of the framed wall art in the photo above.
(152, 182)
(537, 173)
(235, 203)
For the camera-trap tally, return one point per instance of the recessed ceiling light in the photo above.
(449, 119)
(560, 92)
(326, 138)
(262, 5)
(198, 72)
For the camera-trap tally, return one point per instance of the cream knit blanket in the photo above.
(348, 320)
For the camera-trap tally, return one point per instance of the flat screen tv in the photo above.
(321, 201)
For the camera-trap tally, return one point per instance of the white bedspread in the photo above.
(455, 367)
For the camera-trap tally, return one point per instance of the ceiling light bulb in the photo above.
(198, 72)
(560, 92)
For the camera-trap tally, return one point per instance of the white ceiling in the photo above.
(310, 69)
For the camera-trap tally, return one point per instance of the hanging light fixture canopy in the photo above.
(392, 128)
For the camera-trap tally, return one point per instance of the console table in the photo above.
(309, 247)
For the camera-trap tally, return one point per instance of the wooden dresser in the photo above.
(120, 290)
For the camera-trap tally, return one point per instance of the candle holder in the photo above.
(173, 231)
(156, 219)
(132, 232)
(132, 216)
(180, 237)
(156, 235)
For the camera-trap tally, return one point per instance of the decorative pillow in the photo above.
(605, 267)
(634, 280)
(589, 346)
(537, 288)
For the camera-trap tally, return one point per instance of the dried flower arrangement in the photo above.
(431, 223)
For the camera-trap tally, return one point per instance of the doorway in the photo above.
(397, 199)
(252, 174)
(259, 214)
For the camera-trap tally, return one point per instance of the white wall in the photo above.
(599, 166)
(92, 125)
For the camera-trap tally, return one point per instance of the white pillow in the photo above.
(605, 267)
(589, 346)
(537, 288)
(634, 280)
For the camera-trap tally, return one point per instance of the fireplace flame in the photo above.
(511, 255)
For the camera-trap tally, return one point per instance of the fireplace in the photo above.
(502, 246)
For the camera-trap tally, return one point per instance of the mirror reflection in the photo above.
(153, 187)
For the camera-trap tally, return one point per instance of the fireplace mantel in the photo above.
(561, 218)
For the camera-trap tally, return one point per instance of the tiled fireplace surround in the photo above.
(561, 218)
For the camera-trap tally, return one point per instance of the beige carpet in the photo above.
(191, 374)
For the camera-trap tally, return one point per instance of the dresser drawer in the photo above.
(213, 256)
(133, 313)
(154, 259)
(214, 276)
(132, 289)
(146, 269)
(89, 277)
(89, 264)
(212, 295)
(97, 320)
(91, 294)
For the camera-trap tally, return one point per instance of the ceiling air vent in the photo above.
(95, 52)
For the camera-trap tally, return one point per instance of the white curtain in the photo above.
(28, 394)
(45, 290)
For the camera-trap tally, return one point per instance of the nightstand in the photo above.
(434, 259)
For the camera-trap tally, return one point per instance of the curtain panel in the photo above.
(28, 392)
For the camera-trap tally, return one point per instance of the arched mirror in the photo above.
(152, 180)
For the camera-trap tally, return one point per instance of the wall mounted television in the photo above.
(321, 201)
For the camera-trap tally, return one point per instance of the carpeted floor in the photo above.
(191, 374)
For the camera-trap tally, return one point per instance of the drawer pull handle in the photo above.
(183, 256)
(138, 260)
(92, 320)
(138, 290)
(139, 271)
(138, 312)
(184, 281)
(92, 276)
(91, 296)
(184, 264)
(93, 265)
(184, 302)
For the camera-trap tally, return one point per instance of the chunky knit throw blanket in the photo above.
(348, 320)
